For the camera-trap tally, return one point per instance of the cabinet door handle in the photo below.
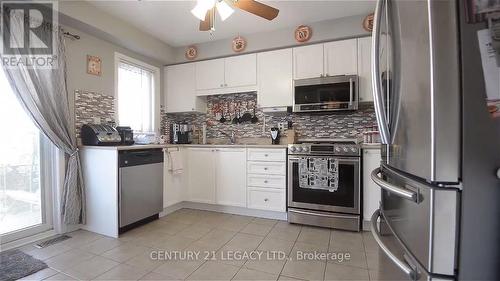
(266, 155)
(265, 168)
(225, 85)
(265, 199)
(265, 181)
(221, 85)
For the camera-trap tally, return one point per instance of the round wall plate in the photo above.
(191, 53)
(239, 44)
(303, 33)
(368, 23)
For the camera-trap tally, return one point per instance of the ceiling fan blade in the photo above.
(208, 23)
(257, 8)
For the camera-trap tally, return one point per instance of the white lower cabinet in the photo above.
(201, 171)
(230, 177)
(267, 199)
(371, 191)
(266, 179)
(223, 176)
(174, 190)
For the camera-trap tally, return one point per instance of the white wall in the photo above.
(76, 56)
(329, 30)
(85, 17)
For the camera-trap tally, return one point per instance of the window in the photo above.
(25, 207)
(137, 86)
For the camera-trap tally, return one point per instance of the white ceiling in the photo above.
(172, 22)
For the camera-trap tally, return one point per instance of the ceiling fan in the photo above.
(205, 11)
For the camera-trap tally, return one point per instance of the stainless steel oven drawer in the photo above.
(324, 219)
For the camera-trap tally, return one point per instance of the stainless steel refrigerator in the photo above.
(439, 216)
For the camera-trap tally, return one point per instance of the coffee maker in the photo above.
(181, 133)
(275, 135)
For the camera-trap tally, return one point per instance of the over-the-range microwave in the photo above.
(330, 93)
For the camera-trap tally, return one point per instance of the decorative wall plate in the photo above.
(94, 65)
(368, 23)
(191, 52)
(239, 44)
(303, 33)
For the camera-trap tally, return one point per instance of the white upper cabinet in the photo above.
(201, 175)
(180, 93)
(308, 61)
(275, 72)
(341, 58)
(329, 59)
(241, 71)
(364, 69)
(231, 177)
(210, 74)
(228, 75)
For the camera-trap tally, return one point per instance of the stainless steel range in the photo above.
(324, 183)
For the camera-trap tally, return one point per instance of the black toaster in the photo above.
(96, 134)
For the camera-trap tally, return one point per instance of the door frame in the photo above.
(49, 165)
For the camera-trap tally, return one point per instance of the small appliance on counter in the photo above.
(126, 134)
(145, 138)
(181, 133)
(275, 135)
(102, 135)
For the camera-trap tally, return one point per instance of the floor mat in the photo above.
(15, 264)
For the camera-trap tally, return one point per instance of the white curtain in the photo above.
(43, 94)
(135, 97)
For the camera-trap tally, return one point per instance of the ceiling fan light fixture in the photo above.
(202, 7)
(224, 10)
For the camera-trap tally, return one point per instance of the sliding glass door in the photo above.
(25, 201)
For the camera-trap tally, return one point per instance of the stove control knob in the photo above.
(293, 149)
(345, 149)
(305, 149)
(353, 150)
(337, 149)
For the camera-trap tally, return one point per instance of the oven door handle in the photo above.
(404, 193)
(399, 263)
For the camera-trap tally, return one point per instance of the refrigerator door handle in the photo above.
(376, 82)
(405, 193)
(351, 94)
(407, 269)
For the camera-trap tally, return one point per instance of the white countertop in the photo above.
(153, 146)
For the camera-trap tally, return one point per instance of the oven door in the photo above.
(326, 94)
(342, 196)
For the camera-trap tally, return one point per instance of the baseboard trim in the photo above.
(27, 240)
(225, 209)
(366, 225)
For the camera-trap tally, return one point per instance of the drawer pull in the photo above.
(265, 181)
(265, 168)
(266, 155)
(265, 200)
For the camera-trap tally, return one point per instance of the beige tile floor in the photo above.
(276, 248)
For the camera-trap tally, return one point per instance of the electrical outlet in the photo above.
(282, 126)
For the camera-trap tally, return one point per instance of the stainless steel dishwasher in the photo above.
(140, 179)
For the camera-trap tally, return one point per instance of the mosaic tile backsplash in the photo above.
(337, 125)
(90, 106)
